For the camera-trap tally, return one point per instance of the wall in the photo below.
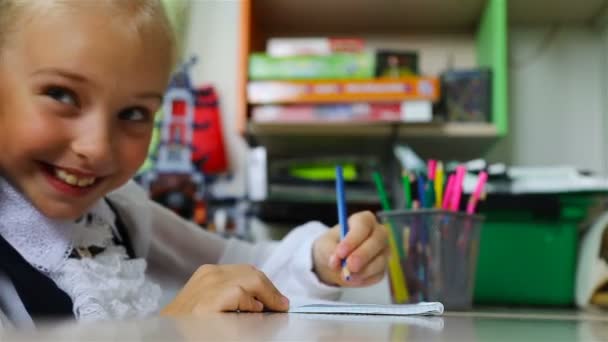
(557, 97)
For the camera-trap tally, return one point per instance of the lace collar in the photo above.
(47, 243)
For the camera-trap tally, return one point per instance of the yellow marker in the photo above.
(400, 292)
(439, 176)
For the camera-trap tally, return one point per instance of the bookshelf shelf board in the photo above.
(338, 129)
(380, 129)
(459, 130)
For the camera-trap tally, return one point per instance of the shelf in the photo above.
(448, 140)
(366, 129)
(477, 31)
(341, 129)
(320, 17)
(318, 194)
(451, 140)
(455, 130)
(461, 34)
(348, 17)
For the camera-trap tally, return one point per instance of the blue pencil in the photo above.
(342, 220)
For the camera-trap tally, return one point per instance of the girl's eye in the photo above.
(137, 114)
(62, 95)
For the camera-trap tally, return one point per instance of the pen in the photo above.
(341, 200)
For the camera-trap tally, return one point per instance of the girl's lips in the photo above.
(61, 186)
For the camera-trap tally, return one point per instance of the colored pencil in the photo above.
(342, 214)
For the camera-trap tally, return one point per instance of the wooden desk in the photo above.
(466, 326)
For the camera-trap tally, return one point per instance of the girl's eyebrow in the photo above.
(150, 95)
(81, 79)
(61, 72)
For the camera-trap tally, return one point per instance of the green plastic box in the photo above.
(527, 252)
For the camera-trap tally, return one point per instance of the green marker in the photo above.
(407, 190)
(386, 206)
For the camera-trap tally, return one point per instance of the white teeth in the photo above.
(74, 180)
(61, 174)
(71, 179)
(83, 182)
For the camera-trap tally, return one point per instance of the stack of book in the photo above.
(318, 80)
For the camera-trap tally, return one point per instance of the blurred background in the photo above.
(270, 95)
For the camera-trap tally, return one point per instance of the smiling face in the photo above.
(78, 92)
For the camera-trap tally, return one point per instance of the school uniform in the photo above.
(126, 257)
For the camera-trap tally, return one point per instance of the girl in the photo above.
(79, 83)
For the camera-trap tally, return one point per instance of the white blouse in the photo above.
(168, 250)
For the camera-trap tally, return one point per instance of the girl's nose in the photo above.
(93, 146)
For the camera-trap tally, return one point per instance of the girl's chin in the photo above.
(59, 211)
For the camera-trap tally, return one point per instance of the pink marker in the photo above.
(457, 188)
(431, 167)
(447, 196)
(481, 182)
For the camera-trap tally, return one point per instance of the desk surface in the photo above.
(467, 326)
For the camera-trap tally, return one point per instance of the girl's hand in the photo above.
(365, 249)
(217, 288)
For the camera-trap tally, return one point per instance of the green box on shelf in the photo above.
(334, 66)
(528, 256)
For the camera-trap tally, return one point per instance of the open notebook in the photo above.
(314, 306)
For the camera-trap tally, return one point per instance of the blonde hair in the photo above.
(142, 15)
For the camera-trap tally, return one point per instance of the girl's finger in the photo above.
(376, 266)
(375, 244)
(246, 303)
(260, 287)
(360, 226)
(373, 279)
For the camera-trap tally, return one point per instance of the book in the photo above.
(405, 111)
(311, 306)
(282, 47)
(379, 90)
(332, 66)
